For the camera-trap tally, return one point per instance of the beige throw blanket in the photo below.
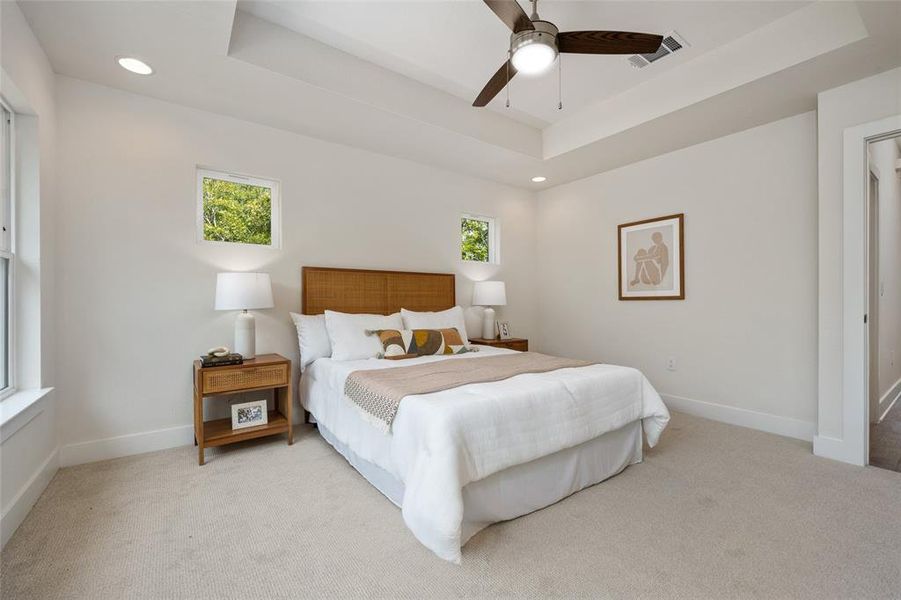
(378, 392)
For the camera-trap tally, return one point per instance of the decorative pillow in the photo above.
(445, 319)
(347, 333)
(409, 343)
(312, 338)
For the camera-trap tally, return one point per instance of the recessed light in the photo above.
(539, 179)
(134, 65)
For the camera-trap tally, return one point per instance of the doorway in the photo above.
(883, 289)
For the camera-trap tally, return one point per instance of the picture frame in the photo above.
(503, 330)
(249, 414)
(651, 259)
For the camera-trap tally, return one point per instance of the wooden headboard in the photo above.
(375, 292)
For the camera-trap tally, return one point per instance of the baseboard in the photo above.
(785, 426)
(26, 497)
(836, 449)
(888, 399)
(126, 445)
(135, 443)
(162, 439)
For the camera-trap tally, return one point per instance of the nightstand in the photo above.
(265, 372)
(520, 344)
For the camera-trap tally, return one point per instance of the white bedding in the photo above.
(440, 442)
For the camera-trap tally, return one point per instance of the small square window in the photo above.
(479, 239)
(236, 209)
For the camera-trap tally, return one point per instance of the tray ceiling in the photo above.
(398, 78)
(456, 46)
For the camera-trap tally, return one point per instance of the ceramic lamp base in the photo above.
(245, 335)
(488, 327)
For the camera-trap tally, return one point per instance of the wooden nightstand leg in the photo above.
(198, 423)
(289, 411)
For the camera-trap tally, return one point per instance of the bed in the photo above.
(458, 460)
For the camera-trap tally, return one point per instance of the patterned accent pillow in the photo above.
(410, 343)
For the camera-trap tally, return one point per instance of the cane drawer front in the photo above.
(231, 380)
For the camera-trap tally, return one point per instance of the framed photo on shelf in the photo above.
(249, 414)
(503, 330)
(652, 259)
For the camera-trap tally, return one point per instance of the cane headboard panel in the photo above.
(375, 292)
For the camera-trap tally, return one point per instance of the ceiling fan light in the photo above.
(534, 58)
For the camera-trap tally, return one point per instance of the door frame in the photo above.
(873, 287)
(855, 365)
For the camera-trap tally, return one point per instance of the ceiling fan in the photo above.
(535, 44)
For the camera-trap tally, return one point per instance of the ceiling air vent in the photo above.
(672, 42)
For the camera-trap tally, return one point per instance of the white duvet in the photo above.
(442, 441)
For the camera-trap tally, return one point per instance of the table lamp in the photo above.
(488, 294)
(244, 291)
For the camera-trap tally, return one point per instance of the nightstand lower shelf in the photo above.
(219, 432)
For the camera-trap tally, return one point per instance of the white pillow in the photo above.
(347, 333)
(445, 319)
(312, 338)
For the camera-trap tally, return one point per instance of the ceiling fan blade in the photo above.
(511, 13)
(495, 84)
(608, 42)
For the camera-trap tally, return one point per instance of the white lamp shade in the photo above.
(489, 293)
(243, 291)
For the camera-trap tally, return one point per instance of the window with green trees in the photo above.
(237, 209)
(478, 239)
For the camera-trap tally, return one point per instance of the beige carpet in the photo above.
(714, 512)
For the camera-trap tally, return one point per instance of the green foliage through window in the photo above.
(236, 212)
(475, 240)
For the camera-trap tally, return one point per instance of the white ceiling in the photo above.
(368, 75)
(457, 45)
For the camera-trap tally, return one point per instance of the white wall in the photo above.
(745, 336)
(853, 104)
(29, 442)
(884, 156)
(138, 290)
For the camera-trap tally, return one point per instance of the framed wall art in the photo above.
(652, 259)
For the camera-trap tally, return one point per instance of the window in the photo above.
(7, 258)
(237, 209)
(479, 239)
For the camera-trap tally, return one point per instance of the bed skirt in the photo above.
(525, 488)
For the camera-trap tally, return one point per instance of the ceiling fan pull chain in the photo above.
(559, 83)
(507, 85)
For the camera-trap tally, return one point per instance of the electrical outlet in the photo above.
(671, 363)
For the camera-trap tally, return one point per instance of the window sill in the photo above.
(19, 409)
(480, 262)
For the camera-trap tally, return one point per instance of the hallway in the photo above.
(885, 441)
